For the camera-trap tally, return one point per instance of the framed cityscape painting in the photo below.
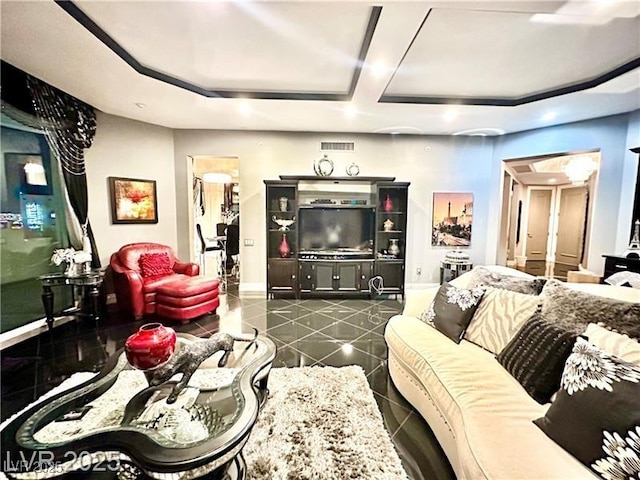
(133, 200)
(452, 219)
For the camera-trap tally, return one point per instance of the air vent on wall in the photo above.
(337, 146)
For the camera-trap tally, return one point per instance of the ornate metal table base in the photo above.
(201, 435)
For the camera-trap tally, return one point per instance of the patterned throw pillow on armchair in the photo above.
(155, 264)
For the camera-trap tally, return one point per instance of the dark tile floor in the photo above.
(306, 332)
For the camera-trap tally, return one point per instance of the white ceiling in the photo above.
(546, 170)
(428, 67)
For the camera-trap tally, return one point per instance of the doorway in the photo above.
(216, 217)
(547, 213)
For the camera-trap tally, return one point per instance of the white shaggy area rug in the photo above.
(320, 423)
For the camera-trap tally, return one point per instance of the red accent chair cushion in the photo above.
(135, 292)
(155, 264)
(187, 298)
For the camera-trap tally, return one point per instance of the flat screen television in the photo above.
(341, 230)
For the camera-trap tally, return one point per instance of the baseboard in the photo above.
(252, 289)
(416, 287)
(31, 329)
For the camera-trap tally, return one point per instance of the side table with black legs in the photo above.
(90, 283)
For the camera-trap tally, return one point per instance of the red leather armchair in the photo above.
(135, 292)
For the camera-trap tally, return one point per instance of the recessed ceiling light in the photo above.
(481, 132)
(547, 117)
(140, 105)
(552, 180)
(450, 115)
(245, 108)
(378, 68)
(350, 111)
(399, 129)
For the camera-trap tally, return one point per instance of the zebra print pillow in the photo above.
(614, 343)
(498, 318)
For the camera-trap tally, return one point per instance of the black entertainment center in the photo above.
(328, 236)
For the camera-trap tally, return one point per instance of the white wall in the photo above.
(431, 164)
(127, 148)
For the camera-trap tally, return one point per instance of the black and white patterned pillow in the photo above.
(596, 414)
(535, 356)
(452, 310)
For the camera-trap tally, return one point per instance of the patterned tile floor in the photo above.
(306, 332)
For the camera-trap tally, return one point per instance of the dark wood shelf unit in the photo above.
(614, 264)
(315, 178)
(305, 274)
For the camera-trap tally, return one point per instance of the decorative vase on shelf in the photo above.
(387, 206)
(151, 346)
(388, 225)
(394, 248)
(284, 248)
(282, 203)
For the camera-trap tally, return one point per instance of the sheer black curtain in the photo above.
(69, 126)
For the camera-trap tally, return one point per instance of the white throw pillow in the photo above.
(498, 318)
(614, 343)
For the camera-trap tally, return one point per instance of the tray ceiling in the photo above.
(410, 67)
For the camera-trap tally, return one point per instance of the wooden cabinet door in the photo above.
(307, 277)
(281, 274)
(324, 276)
(347, 277)
(366, 271)
(392, 274)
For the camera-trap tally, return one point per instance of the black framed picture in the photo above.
(133, 200)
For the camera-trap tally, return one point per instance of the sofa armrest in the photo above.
(186, 268)
(417, 302)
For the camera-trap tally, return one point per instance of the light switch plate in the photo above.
(248, 242)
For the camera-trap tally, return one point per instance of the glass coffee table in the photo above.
(115, 422)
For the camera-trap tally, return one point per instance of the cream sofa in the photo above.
(480, 414)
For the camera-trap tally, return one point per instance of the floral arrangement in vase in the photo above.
(71, 257)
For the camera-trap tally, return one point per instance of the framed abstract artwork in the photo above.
(452, 219)
(133, 200)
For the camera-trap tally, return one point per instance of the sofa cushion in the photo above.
(151, 284)
(155, 264)
(481, 276)
(614, 343)
(573, 309)
(488, 413)
(129, 255)
(498, 317)
(596, 415)
(452, 309)
(535, 357)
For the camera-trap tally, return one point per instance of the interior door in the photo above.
(538, 231)
(571, 218)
